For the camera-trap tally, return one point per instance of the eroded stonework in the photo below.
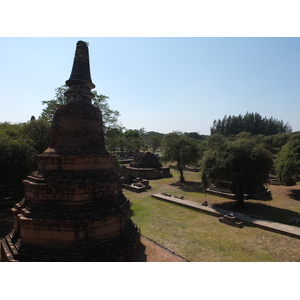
(146, 165)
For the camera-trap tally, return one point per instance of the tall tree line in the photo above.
(250, 122)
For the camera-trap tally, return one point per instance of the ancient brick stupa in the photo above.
(147, 166)
(74, 208)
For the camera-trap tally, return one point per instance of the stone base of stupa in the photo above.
(74, 210)
(124, 248)
(146, 165)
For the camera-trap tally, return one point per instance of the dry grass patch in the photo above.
(201, 237)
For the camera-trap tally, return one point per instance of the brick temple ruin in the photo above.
(74, 208)
(147, 166)
(226, 190)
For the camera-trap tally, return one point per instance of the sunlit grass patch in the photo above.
(200, 237)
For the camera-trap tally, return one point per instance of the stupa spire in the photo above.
(80, 81)
(77, 127)
(74, 208)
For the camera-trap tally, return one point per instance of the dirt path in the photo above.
(157, 253)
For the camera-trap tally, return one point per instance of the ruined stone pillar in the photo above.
(74, 208)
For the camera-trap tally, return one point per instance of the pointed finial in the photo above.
(81, 64)
(80, 81)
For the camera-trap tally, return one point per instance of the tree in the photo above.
(110, 117)
(215, 140)
(39, 132)
(133, 139)
(241, 163)
(52, 105)
(132, 134)
(243, 135)
(287, 163)
(181, 149)
(153, 139)
(122, 143)
(154, 142)
(275, 142)
(113, 136)
(17, 159)
(194, 135)
(251, 122)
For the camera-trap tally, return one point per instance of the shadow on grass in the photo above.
(264, 198)
(188, 186)
(294, 194)
(259, 210)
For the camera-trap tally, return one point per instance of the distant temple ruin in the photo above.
(74, 208)
(147, 166)
(227, 190)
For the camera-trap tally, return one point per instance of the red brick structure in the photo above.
(146, 165)
(74, 208)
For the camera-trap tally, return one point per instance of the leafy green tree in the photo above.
(122, 143)
(110, 117)
(52, 105)
(181, 149)
(243, 135)
(194, 135)
(114, 136)
(17, 159)
(215, 140)
(241, 163)
(274, 143)
(287, 163)
(10, 130)
(134, 141)
(144, 145)
(39, 132)
(132, 134)
(154, 142)
(153, 139)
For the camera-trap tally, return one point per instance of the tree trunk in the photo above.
(240, 195)
(180, 169)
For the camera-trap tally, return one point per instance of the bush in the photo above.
(287, 163)
(17, 160)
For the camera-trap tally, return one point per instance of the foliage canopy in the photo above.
(287, 163)
(181, 149)
(110, 117)
(241, 163)
(250, 122)
(17, 159)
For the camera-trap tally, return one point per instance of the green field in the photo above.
(200, 237)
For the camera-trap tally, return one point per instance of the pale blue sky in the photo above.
(161, 84)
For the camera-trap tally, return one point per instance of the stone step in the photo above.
(11, 246)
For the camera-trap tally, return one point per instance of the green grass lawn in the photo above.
(200, 237)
